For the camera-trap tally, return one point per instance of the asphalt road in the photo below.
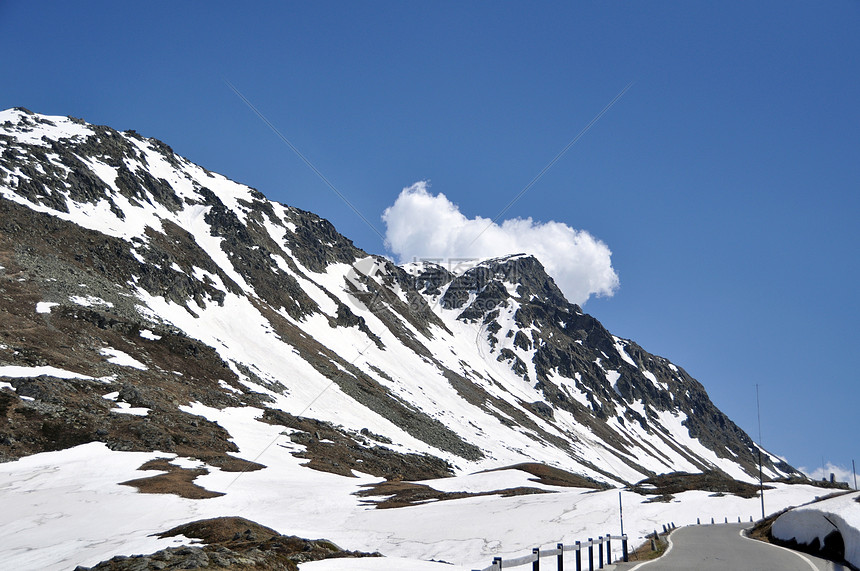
(722, 548)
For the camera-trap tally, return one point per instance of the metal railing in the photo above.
(537, 553)
(558, 553)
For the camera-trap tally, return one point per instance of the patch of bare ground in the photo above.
(551, 476)
(398, 494)
(225, 462)
(666, 485)
(222, 530)
(655, 546)
(761, 529)
(331, 449)
(176, 480)
(233, 543)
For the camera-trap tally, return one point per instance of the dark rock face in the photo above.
(318, 245)
(157, 227)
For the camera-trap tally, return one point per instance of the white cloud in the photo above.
(842, 474)
(422, 225)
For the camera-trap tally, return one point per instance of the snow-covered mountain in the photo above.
(180, 355)
(139, 288)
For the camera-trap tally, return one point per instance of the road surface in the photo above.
(722, 548)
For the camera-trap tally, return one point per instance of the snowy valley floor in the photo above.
(67, 508)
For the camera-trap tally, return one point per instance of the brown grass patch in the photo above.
(178, 481)
(221, 530)
(551, 476)
(644, 551)
(402, 494)
(225, 462)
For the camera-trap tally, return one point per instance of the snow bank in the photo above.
(806, 523)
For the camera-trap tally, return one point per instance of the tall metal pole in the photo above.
(854, 469)
(621, 508)
(760, 477)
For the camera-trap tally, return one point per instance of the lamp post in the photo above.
(760, 477)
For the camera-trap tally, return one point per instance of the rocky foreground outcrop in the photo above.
(231, 543)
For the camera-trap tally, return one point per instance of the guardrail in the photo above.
(537, 553)
(558, 553)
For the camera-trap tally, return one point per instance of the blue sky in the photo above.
(725, 180)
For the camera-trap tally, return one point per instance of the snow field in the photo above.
(61, 509)
(65, 508)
